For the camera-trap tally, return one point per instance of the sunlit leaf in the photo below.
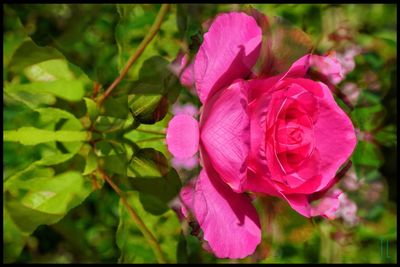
(34, 136)
(69, 90)
(44, 200)
(91, 108)
(91, 163)
(28, 53)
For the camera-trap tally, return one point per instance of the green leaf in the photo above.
(148, 109)
(54, 159)
(369, 118)
(148, 173)
(387, 136)
(367, 154)
(155, 78)
(78, 32)
(34, 136)
(181, 250)
(116, 107)
(50, 70)
(149, 140)
(130, 241)
(28, 53)
(14, 239)
(91, 163)
(156, 193)
(69, 90)
(148, 162)
(117, 164)
(30, 99)
(104, 123)
(87, 42)
(91, 108)
(32, 201)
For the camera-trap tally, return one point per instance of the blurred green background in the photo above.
(100, 38)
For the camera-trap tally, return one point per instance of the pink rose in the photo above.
(283, 136)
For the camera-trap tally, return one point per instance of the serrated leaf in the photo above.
(130, 241)
(33, 136)
(69, 90)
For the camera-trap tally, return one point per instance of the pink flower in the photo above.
(283, 136)
(347, 211)
(336, 66)
(329, 66)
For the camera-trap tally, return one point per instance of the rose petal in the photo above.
(225, 133)
(183, 136)
(335, 136)
(329, 66)
(327, 206)
(229, 221)
(186, 163)
(186, 196)
(188, 109)
(229, 51)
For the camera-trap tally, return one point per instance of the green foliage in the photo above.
(135, 249)
(58, 60)
(75, 30)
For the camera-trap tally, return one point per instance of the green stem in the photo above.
(150, 238)
(142, 46)
(150, 131)
(150, 139)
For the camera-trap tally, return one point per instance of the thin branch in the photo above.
(96, 88)
(138, 221)
(147, 39)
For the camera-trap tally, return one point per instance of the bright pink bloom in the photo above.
(329, 66)
(283, 136)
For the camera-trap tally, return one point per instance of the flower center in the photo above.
(294, 137)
